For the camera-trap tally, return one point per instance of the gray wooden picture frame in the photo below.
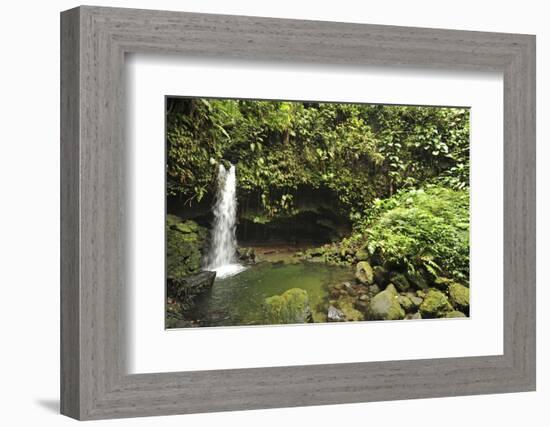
(94, 382)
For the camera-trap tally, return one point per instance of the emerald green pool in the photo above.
(237, 300)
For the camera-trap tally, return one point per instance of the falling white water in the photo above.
(223, 250)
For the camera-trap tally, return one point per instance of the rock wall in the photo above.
(186, 242)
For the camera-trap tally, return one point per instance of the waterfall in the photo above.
(223, 248)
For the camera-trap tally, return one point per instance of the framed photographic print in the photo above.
(267, 212)
(345, 212)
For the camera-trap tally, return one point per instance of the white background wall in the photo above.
(29, 214)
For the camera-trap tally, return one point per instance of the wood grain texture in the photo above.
(70, 307)
(94, 235)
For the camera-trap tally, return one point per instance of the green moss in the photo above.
(459, 296)
(185, 241)
(400, 282)
(290, 307)
(391, 289)
(455, 313)
(406, 303)
(364, 273)
(435, 304)
(346, 305)
(442, 283)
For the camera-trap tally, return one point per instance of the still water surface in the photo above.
(238, 300)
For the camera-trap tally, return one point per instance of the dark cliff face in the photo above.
(317, 218)
(200, 212)
(306, 227)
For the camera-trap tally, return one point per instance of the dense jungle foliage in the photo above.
(422, 229)
(400, 174)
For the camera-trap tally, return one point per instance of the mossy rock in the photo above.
(418, 279)
(443, 283)
(391, 288)
(459, 296)
(364, 273)
(400, 282)
(406, 303)
(314, 253)
(351, 314)
(416, 300)
(455, 313)
(185, 243)
(181, 294)
(184, 289)
(435, 304)
(292, 306)
(413, 316)
(385, 305)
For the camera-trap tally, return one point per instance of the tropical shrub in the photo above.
(425, 229)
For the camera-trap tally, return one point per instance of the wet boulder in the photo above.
(335, 315)
(435, 304)
(416, 300)
(385, 305)
(364, 273)
(459, 297)
(184, 289)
